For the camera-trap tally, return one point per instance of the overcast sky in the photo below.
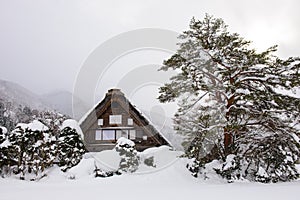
(43, 43)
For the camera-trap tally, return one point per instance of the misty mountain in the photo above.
(60, 101)
(18, 95)
(19, 105)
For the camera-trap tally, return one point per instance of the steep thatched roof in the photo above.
(116, 96)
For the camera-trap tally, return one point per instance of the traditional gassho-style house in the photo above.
(116, 117)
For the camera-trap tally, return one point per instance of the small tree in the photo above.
(34, 149)
(129, 158)
(70, 148)
(4, 151)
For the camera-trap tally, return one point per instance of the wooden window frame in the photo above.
(115, 134)
(129, 121)
(100, 122)
(112, 119)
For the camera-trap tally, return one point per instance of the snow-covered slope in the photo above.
(18, 95)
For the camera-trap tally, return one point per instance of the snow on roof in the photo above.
(83, 118)
(72, 124)
(4, 130)
(156, 127)
(35, 125)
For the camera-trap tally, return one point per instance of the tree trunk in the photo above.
(227, 141)
(228, 132)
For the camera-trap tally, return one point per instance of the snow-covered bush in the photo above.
(104, 174)
(149, 161)
(6, 159)
(70, 148)
(3, 132)
(33, 149)
(129, 155)
(194, 167)
(4, 151)
(201, 152)
(230, 169)
(266, 159)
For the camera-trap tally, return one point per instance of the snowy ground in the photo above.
(170, 180)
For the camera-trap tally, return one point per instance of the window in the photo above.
(108, 134)
(122, 133)
(100, 122)
(118, 134)
(98, 135)
(145, 137)
(115, 119)
(132, 134)
(130, 121)
(113, 134)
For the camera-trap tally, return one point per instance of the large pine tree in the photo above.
(228, 90)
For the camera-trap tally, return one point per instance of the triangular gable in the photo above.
(115, 96)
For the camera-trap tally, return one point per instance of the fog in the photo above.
(44, 44)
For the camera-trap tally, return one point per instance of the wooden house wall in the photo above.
(118, 105)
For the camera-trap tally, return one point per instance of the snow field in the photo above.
(169, 180)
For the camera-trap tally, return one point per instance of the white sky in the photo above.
(43, 43)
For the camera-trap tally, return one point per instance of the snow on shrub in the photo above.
(72, 124)
(32, 149)
(3, 132)
(266, 159)
(104, 174)
(129, 155)
(194, 167)
(149, 161)
(70, 148)
(230, 169)
(4, 151)
(108, 162)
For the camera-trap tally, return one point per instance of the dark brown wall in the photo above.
(118, 105)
